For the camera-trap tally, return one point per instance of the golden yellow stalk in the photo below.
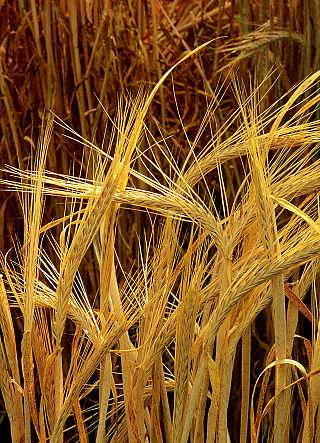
(32, 215)
(10, 388)
(185, 326)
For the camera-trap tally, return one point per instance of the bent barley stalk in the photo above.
(150, 354)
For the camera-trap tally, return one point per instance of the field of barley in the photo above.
(159, 221)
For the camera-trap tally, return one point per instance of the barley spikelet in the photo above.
(184, 338)
(90, 365)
